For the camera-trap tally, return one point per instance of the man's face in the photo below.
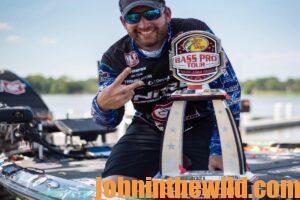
(149, 35)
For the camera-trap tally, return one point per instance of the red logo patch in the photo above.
(12, 87)
(132, 59)
(161, 112)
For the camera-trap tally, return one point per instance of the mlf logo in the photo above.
(12, 87)
(196, 57)
(131, 59)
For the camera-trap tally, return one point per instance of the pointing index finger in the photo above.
(121, 77)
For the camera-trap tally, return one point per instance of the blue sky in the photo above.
(67, 37)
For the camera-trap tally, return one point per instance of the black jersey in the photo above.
(152, 100)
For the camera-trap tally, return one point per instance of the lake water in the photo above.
(261, 106)
(79, 105)
(74, 105)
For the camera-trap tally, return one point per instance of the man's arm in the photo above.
(228, 82)
(108, 105)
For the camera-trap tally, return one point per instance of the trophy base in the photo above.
(203, 94)
(208, 175)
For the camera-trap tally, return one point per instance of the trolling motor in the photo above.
(15, 115)
(10, 120)
(18, 123)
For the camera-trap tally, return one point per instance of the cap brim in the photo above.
(141, 3)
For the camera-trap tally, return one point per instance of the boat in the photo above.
(44, 170)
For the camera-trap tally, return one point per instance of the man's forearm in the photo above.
(109, 118)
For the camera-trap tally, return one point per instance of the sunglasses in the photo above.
(133, 18)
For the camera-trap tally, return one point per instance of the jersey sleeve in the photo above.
(229, 83)
(110, 118)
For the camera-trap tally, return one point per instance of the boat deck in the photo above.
(271, 165)
(68, 169)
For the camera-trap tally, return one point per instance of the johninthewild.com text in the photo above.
(227, 187)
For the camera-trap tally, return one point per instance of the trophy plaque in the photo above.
(196, 58)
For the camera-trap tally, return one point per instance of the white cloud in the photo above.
(48, 40)
(5, 26)
(14, 39)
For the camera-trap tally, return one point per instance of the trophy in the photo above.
(196, 58)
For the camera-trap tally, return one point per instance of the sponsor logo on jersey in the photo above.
(156, 82)
(138, 70)
(232, 88)
(193, 116)
(227, 77)
(160, 115)
(161, 111)
(144, 78)
(12, 87)
(156, 95)
(131, 59)
(103, 76)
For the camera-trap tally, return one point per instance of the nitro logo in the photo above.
(12, 87)
(131, 59)
(160, 112)
(156, 95)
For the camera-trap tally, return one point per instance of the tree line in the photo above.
(271, 84)
(65, 85)
(62, 85)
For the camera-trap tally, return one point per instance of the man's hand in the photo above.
(215, 163)
(116, 95)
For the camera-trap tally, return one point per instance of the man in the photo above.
(137, 68)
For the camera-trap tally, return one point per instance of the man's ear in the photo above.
(168, 14)
(123, 21)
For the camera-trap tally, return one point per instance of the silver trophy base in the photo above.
(232, 151)
(203, 94)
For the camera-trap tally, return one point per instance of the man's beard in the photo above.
(153, 41)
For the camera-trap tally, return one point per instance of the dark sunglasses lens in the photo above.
(152, 14)
(132, 18)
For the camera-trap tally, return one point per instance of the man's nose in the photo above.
(143, 23)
